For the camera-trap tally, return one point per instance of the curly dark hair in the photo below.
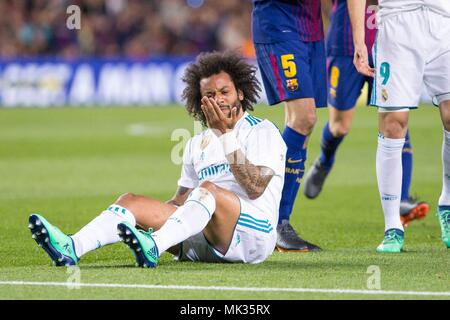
(210, 63)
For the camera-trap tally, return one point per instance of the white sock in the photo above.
(188, 220)
(102, 230)
(444, 199)
(389, 176)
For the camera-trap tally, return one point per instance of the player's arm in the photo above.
(253, 179)
(180, 196)
(356, 10)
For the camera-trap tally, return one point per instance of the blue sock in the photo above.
(328, 145)
(407, 163)
(295, 168)
(444, 207)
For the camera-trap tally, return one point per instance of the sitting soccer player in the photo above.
(228, 196)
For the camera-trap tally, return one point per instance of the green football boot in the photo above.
(443, 216)
(141, 243)
(58, 245)
(393, 241)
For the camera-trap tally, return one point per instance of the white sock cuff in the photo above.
(204, 198)
(390, 143)
(122, 213)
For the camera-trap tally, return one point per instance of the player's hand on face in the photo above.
(216, 119)
(361, 61)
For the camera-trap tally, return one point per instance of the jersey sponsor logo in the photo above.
(213, 170)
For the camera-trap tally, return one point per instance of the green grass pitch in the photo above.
(71, 163)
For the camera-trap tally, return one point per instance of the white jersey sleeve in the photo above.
(189, 178)
(265, 146)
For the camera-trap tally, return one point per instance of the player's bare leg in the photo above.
(300, 115)
(209, 209)
(443, 212)
(148, 212)
(392, 128)
(101, 231)
(337, 128)
(67, 250)
(300, 118)
(219, 231)
(339, 125)
(340, 121)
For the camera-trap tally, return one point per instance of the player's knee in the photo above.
(204, 196)
(445, 114)
(446, 123)
(126, 196)
(394, 124)
(302, 123)
(126, 199)
(395, 130)
(341, 132)
(339, 129)
(208, 185)
(310, 120)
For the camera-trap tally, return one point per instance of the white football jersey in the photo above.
(388, 7)
(262, 144)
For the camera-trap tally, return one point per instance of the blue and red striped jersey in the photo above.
(283, 20)
(340, 36)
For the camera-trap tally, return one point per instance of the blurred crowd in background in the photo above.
(126, 28)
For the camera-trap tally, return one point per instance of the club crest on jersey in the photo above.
(384, 95)
(205, 141)
(292, 84)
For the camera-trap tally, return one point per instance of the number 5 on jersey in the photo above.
(289, 66)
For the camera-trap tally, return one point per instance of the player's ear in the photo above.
(240, 95)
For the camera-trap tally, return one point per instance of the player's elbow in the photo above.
(254, 196)
(255, 193)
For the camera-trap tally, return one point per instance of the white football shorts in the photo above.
(253, 241)
(412, 49)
